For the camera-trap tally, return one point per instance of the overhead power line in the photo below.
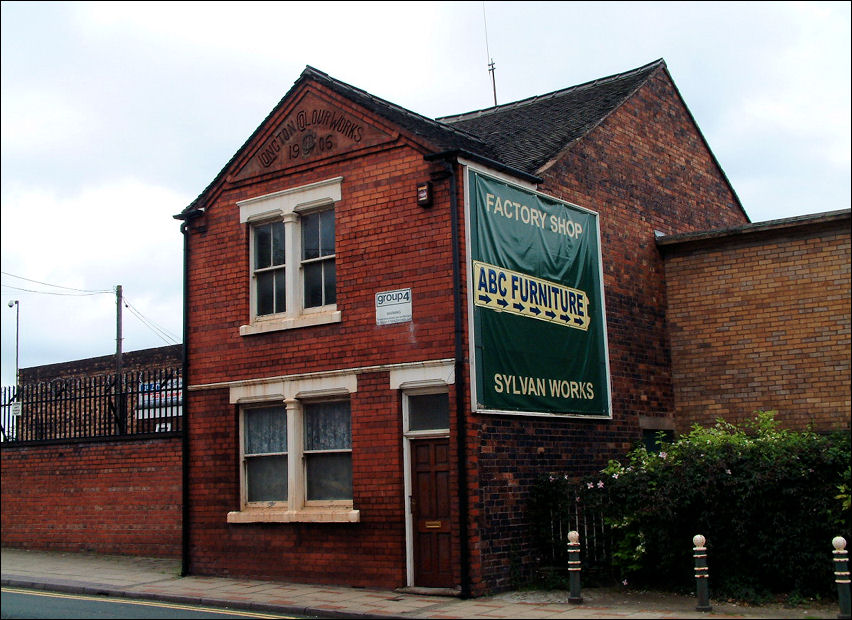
(29, 290)
(164, 334)
(161, 332)
(67, 288)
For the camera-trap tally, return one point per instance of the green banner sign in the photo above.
(538, 317)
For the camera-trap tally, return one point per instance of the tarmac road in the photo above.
(21, 603)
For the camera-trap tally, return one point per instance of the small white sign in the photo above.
(393, 307)
(159, 399)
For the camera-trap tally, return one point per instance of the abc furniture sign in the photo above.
(537, 310)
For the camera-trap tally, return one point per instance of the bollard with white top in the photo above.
(702, 573)
(841, 575)
(574, 567)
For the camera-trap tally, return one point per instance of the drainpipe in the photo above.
(461, 417)
(185, 231)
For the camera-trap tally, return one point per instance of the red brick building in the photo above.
(334, 439)
(81, 398)
(135, 361)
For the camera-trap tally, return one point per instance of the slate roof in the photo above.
(518, 137)
(527, 134)
(523, 135)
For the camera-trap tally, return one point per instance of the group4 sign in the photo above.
(539, 325)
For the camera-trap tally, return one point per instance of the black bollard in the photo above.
(702, 574)
(841, 575)
(574, 567)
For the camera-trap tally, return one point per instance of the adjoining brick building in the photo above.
(335, 318)
(759, 319)
(84, 399)
(132, 361)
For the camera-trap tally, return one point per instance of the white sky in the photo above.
(115, 116)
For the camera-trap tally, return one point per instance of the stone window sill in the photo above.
(311, 515)
(279, 324)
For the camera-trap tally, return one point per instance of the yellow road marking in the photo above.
(85, 597)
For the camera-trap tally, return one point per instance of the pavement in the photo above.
(159, 579)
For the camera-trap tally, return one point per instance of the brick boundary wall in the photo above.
(115, 497)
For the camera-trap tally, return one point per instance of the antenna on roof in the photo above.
(488, 54)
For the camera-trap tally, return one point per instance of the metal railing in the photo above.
(140, 402)
(595, 540)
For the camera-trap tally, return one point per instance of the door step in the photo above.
(430, 591)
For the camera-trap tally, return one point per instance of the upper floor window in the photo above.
(270, 268)
(292, 257)
(318, 270)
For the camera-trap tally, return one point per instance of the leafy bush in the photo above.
(766, 499)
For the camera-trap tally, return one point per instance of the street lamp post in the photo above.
(15, 304)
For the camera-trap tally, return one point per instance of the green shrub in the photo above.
(766, 499)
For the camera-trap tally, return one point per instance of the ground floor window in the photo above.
(265, 454)
(428, 412)
(296, 455)
(328, 451)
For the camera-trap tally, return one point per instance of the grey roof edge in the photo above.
(194, 209)
(453, 133)
(461, 141)
(799, 221)
(516, 104)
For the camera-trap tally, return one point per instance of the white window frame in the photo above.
(272, 268)
(292, 394)
(244, 502)
(288, 206)
(332, 503)
(326, 308)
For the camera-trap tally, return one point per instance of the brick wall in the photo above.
(121, 497)
(760, 320)
(384, 242)
(645, 168)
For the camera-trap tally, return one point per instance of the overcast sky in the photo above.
(115, 116)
